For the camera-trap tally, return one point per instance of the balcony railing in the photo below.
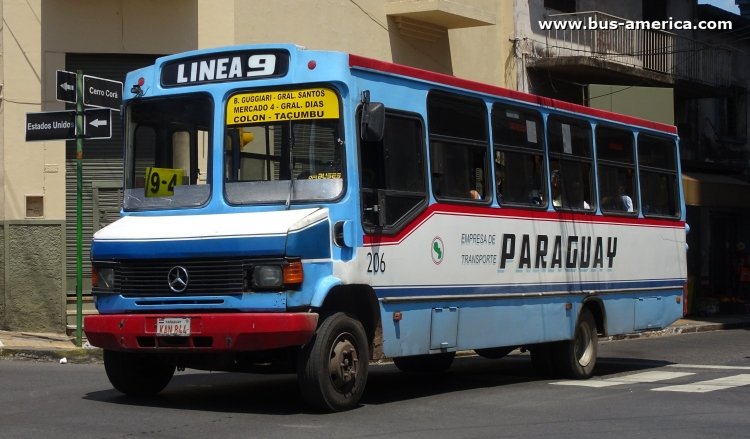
(653, 50)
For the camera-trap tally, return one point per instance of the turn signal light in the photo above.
(293, 274)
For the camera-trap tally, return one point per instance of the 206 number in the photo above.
(375, 262)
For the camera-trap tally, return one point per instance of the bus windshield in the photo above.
(283, 146)
(167, 152)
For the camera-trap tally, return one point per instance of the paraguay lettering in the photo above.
(556, 252)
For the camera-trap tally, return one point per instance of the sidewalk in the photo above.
(46, 347)
(55, 347)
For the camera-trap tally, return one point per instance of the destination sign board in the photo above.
(281, 105)
(225, 66)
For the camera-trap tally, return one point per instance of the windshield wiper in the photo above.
(291, 168)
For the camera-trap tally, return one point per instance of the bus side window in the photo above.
(657, 163)
(459, 150)
(571, 173)
(392, 173)
(518, 140)
(616, 162)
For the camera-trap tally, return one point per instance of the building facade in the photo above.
(697, 80)
(106, 38)
(693, 78)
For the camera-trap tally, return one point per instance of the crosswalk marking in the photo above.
(710, 385)
(707, 366)
(643, 377)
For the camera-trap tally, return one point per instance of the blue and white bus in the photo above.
(298, 210)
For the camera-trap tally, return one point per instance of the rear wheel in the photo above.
(576, 358)
(332, 367)
(137, 374)
(433, 363)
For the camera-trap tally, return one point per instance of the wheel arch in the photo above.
(595, 305)
(359, 301)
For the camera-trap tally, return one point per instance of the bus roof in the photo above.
(360, 62)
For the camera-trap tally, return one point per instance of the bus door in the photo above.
(392, 173)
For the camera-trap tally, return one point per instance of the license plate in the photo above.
(172, 326)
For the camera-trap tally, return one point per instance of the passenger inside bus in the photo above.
(556, 188)
(568, 194)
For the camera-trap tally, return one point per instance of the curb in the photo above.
(73, 355)
(676, 330)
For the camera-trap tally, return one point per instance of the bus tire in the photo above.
(332, 367)
(576, 358)
(137, 374)
(431, 363)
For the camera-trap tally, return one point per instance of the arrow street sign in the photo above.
(66, 86)
(51, 125)
(103, 93)
(97, 123)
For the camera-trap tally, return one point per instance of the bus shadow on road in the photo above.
(470, 373)
(279, 394)
(221, 392)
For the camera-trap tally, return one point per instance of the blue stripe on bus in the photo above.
(312, 242)
(550, 287)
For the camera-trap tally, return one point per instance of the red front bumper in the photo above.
(208, 332)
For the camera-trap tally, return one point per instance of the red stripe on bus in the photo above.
(464, 210)
(356, 61)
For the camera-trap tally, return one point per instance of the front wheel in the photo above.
(332, 367)
(137, 374)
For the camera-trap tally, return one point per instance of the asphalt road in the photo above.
(684, 386)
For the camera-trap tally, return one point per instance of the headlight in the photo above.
(267, 277)
(285, 275)
(103, 278)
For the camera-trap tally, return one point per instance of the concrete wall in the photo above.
(651, 103)
(34, 297)
(3, 290)
(492, 60)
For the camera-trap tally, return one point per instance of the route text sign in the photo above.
(51, 125)
(103, 93)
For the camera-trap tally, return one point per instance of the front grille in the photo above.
(148, 278)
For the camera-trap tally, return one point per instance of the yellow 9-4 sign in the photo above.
(160, 182)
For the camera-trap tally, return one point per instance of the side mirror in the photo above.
(372, 125)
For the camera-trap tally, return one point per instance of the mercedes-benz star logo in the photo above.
(177, 278)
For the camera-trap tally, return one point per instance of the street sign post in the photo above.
(51, 125)
(103, 93)
(78, 124)
(97, 123)
(66, 86)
